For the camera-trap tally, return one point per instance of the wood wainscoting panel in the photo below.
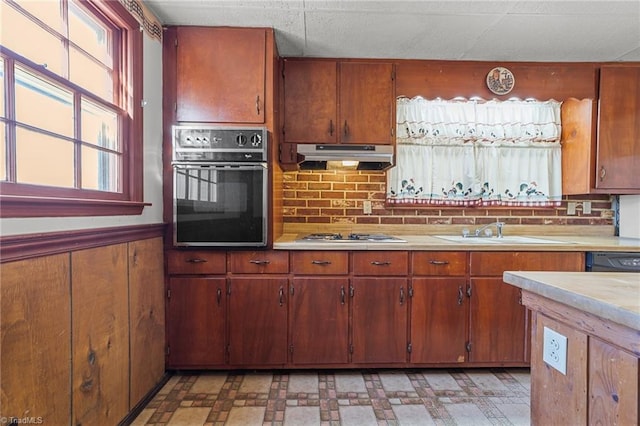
(146, 316)
(100, 348)
(35, 319)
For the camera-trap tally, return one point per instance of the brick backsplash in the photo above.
(336, 197)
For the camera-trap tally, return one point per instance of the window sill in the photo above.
(24, 206)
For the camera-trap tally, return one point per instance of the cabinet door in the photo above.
(497, 326)
(618, 159)
(257, 321)
(221, 74)
(367, 104)
(438, 320)
(319, 320)
(379, 320)
(310, 109)
(196, 322)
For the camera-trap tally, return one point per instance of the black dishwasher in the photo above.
(612, 261)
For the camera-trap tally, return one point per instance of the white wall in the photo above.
(630, 216)
(152, 134)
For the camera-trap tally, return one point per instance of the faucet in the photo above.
(498, 225)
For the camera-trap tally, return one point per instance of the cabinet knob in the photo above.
(603, 173)
(321, 262)
(438, 262)
(259, 262)
(196, 260)
(378, 263)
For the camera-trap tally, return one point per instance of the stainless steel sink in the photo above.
(507, 239)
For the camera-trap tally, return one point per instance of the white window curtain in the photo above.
(476, 153)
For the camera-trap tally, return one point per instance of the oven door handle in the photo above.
(225, 166)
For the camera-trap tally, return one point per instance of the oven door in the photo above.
(220, 204)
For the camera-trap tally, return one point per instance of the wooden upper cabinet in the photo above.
(310, 107)
(367, 104)
(618, 159)
(221, 75)
(578, 140)
(328, 101)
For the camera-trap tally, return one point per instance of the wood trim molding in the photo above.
(27, 206)
(19, 247)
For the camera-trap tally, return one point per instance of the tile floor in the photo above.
(360, 398)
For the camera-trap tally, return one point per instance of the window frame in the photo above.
(27, 200)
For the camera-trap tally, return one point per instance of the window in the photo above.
(70, 115)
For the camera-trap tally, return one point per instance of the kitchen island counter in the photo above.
(592, 376)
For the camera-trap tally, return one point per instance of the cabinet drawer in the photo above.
(439, 263)
(380, 263)
(495, 263)
(259, 262)
(320, 262)
(196, 262)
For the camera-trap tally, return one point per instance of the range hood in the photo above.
(359, 157)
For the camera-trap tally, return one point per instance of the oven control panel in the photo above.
(210, 143)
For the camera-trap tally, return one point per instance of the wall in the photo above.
(335, 198)
(630, 216)
(152, 134)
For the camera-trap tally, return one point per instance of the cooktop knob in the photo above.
(241, 140)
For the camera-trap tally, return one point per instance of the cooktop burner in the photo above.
(323, 236)
(352, 237)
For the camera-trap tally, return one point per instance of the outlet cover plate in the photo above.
(366, 207)
(554, 350)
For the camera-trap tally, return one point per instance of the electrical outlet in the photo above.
(586, 207)
(571, 209)
(366, 207)
(554, 350)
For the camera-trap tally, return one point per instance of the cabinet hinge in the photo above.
(291, 349)
(393, 75)
(409, 347)
(468, 347)
(176, 41)
(351, 349)
(168, 293)
(168, 350)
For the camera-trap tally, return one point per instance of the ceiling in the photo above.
(503, 30)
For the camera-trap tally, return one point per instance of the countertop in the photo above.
(614, 296)
(431, 242)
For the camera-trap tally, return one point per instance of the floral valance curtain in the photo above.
(476, 153)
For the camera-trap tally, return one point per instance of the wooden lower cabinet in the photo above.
(257, 321)
(196, 318)
(497, 322)
(379, 324)
(438, 320)
(319, 321)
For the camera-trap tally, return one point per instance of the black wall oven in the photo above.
(220, 192)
